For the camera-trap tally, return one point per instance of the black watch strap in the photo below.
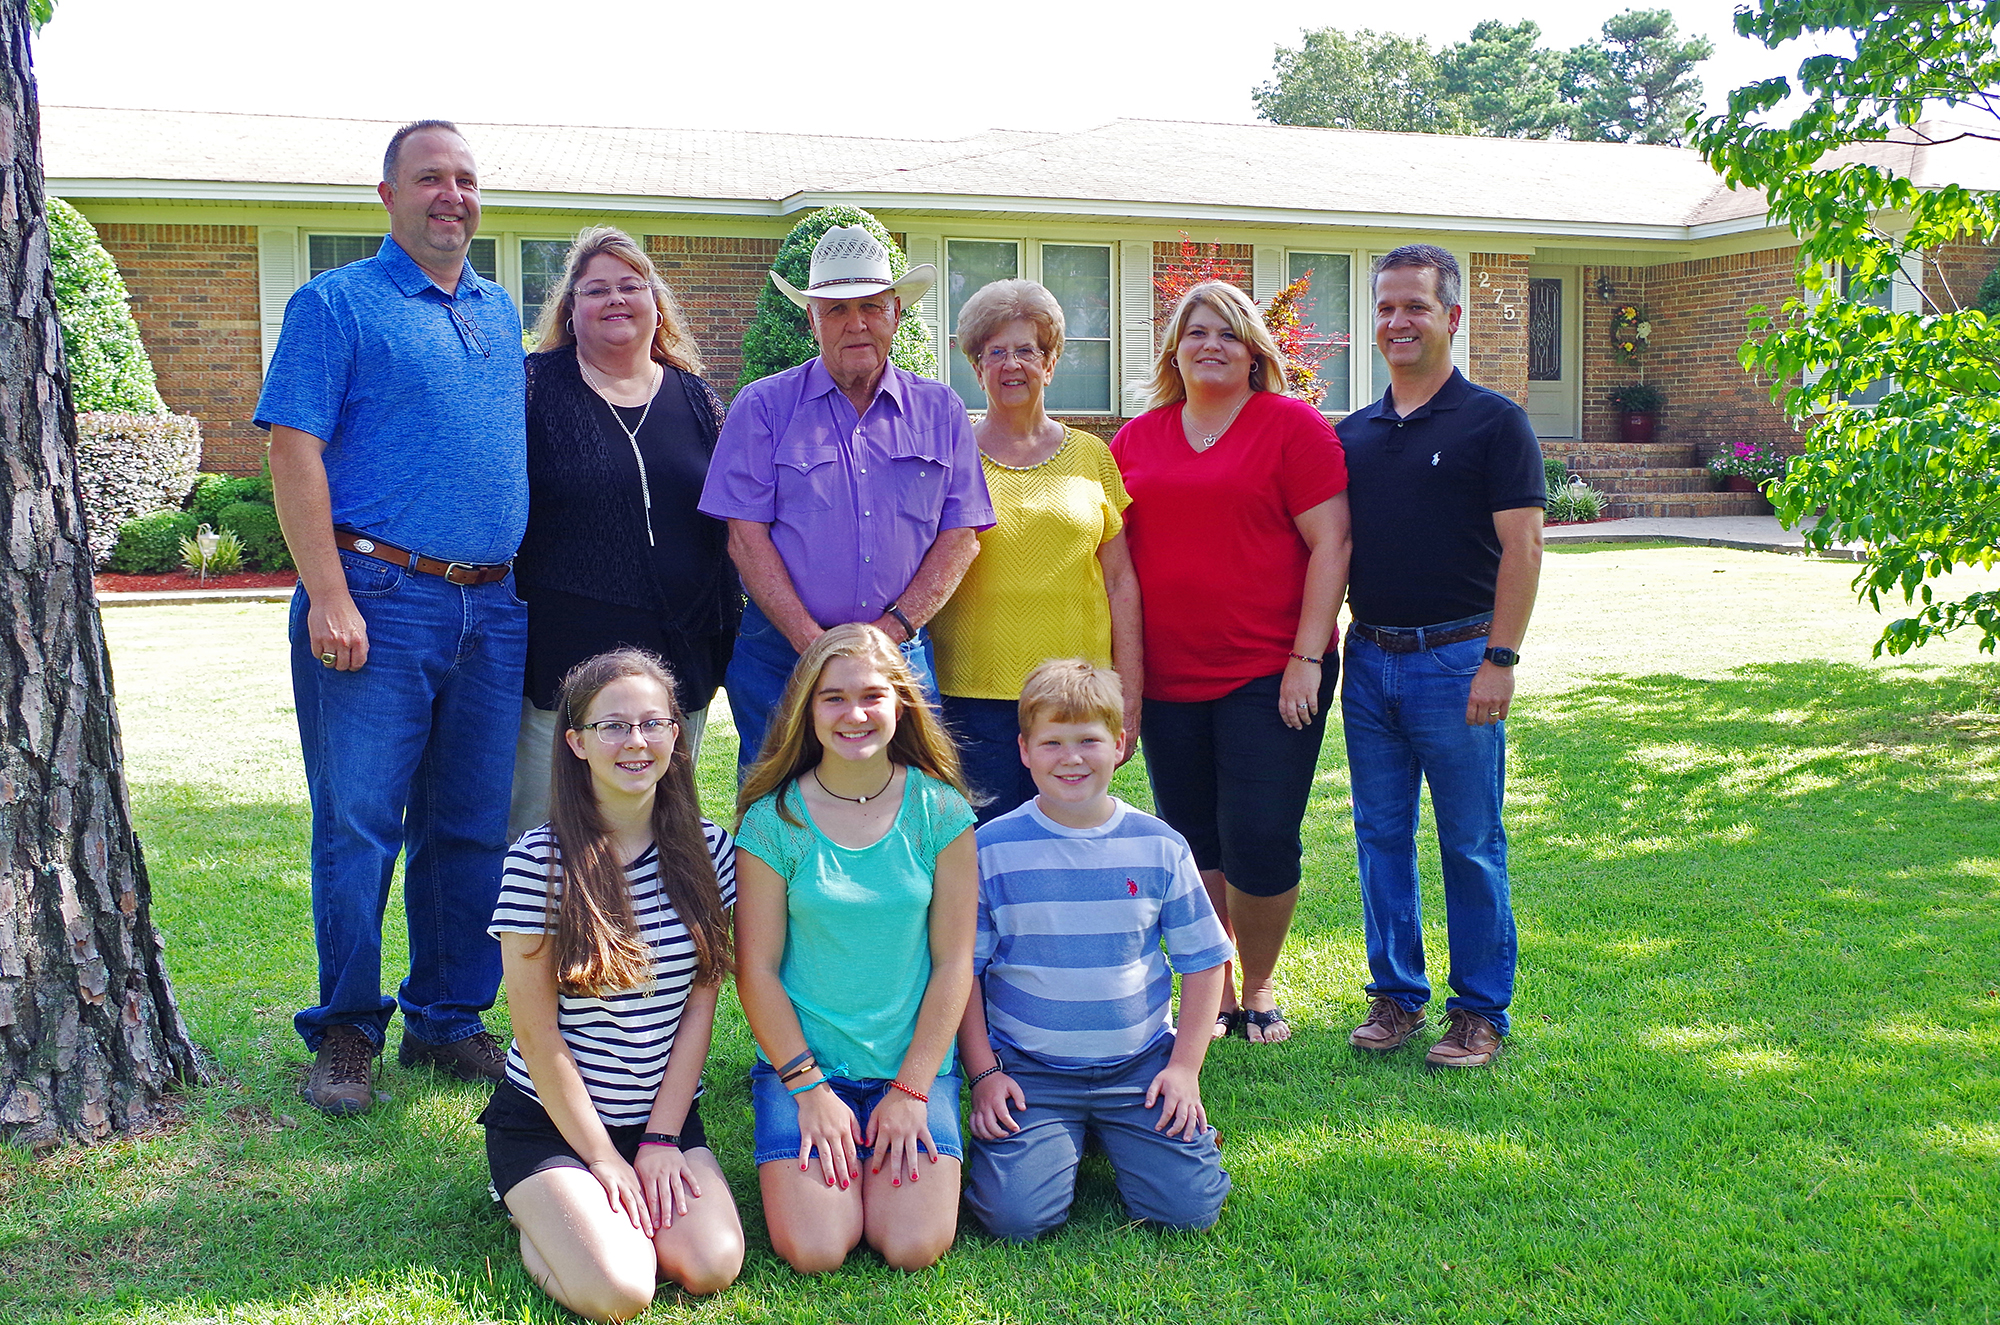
(661, 1139)
(1502, 657)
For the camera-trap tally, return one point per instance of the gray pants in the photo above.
(1022, 1186)
(534, 756)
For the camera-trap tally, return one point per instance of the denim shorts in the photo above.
(777, 1112)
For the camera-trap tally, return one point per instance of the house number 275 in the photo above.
(1499, 296)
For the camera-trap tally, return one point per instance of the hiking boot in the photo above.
(1389, 1026)
(1469, 1041)
(478, 1057)
(341, 1084)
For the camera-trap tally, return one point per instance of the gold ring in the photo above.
(328, 659)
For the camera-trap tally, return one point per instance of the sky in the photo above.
(765, 64)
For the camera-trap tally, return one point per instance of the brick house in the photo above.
(214, 219)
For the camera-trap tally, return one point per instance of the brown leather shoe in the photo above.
(1389, 1026)
(478, 1057)
(1468, 1041)
(341, 1083)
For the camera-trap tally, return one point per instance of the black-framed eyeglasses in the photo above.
(468, 332)
(613, 731)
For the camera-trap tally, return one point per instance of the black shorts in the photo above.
(522, 1140)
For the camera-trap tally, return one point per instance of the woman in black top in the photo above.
(620, 430)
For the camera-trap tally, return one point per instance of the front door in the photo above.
(1553, 375)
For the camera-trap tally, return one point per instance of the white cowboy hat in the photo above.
(847, 263)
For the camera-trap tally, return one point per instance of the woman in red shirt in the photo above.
(1239, 534)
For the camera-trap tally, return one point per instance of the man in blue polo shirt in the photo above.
(395, 403)
(1446, 488)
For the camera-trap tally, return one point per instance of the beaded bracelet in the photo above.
(1314, 661)
(800, 1090)
(911, 1092)
(981, 1076)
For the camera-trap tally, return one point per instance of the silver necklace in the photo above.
(632, 436)
(855, 800)
(1209, 439)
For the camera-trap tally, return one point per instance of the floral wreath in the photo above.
(1630, 331)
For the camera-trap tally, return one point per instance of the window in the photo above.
(325, 252)
(1880, 296)
(1329, 306)
(1079, 276)
(541, 276)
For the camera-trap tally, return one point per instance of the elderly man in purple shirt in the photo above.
(853, 489)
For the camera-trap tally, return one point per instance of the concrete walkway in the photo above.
(1752, 533)
(168, 597)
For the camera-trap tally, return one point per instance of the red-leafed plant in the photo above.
(1303, 351)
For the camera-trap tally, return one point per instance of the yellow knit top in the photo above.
(1035, 591)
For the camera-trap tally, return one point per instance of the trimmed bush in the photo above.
(108, 367)
(778, 337)
(1556, 473)
(212, 492)
(257, 526)
(151, 544)
(130, 465)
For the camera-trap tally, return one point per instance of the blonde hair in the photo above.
(792, 746)
(1267, 361)
(672, 342)
(995, 305)
(1072, 690)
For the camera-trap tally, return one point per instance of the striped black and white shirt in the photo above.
(620, 1041)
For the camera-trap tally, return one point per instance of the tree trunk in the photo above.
(90, 1037)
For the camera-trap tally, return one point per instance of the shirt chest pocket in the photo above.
(918, 476)
(809, 477)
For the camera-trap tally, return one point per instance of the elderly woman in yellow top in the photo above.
(1053, 578)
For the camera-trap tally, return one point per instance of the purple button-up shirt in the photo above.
(853, 503)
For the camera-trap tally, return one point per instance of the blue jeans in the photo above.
(774, 1112)
(988, 733)
(411, 754)
(763, 663)
(1404, 715)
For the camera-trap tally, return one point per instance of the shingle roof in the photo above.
(1151, 163)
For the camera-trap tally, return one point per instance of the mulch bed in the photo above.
(109, 583)
(1553, 524)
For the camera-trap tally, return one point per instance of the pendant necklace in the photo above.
(632, 436)
(1208, 439)
(854, 800)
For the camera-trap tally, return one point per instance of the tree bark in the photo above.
(90, 1038)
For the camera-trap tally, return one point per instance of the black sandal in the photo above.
(1230, 1023)
(1264, 1021)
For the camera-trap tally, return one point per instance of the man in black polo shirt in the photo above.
(1446, 487)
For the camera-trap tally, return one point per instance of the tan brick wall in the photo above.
(717, 281)
(1499, 344)
(1953, 282)
(194, 293)
(1235, 260)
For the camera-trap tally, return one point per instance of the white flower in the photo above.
(1645, 330)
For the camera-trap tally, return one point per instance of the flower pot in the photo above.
(1635, 427)
(1739, 483)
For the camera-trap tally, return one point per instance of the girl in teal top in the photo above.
(857, 892)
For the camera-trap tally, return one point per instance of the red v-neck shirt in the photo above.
(1221, 566)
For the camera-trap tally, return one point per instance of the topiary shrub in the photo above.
(778, 337)
(108, 367)
(257, 526)
(1554, 472)
(151, 544)
(130, 465)
(212, 492)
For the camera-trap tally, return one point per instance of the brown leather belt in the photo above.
(458, 572)
(1416, 639)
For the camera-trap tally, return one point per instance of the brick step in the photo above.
(1623, 455)
(1636, 485)
(1598, 477)
(1689, 504)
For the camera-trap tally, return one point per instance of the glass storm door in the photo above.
(1552, 351)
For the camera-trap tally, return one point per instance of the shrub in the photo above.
(778, 337)
(151, 544)
(108, 367)
(226, 559)
(1574, 501)
(212, 492)
(1555, 472)
(257, 525)
(1988, 301)
(130, 465)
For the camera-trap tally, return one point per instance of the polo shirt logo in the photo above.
(1132, 887)
(1435, 455)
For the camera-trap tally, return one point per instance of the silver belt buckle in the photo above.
(452, 568)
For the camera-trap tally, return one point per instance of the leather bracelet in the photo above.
(912, 1092)
(803, 1054)
(896, 611)
(800, 1090)
(794, 1074)
(1317, 662)
(671, 1140)
(981, 1076)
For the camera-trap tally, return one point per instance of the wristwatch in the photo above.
(1502, 657)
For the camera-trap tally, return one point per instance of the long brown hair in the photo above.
(792, 746)
(599, 949)
(673, 343)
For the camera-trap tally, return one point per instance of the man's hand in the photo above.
(1492, 695)
(336, 628)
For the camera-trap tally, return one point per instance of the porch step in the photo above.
(1659, 481)
(1682, 504)
(1622, 455)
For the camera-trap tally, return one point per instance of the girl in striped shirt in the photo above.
(614, 936)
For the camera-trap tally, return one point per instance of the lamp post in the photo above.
(207, 540)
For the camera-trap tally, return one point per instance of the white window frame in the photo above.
(1358, 394)
(1028, 263)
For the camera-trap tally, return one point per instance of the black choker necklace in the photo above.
(855, 800)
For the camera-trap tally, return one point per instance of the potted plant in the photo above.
(1638, 405)
(1746, 466)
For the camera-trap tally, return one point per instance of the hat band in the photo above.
(851, 280)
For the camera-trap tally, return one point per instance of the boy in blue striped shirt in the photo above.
(1069, 1033)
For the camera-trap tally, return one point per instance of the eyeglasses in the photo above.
(625, 289)
(1025, 354)
(467, 332)
(613, 731)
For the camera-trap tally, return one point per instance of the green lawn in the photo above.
(1753, 1076)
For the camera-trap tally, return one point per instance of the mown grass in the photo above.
(1758, 882)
